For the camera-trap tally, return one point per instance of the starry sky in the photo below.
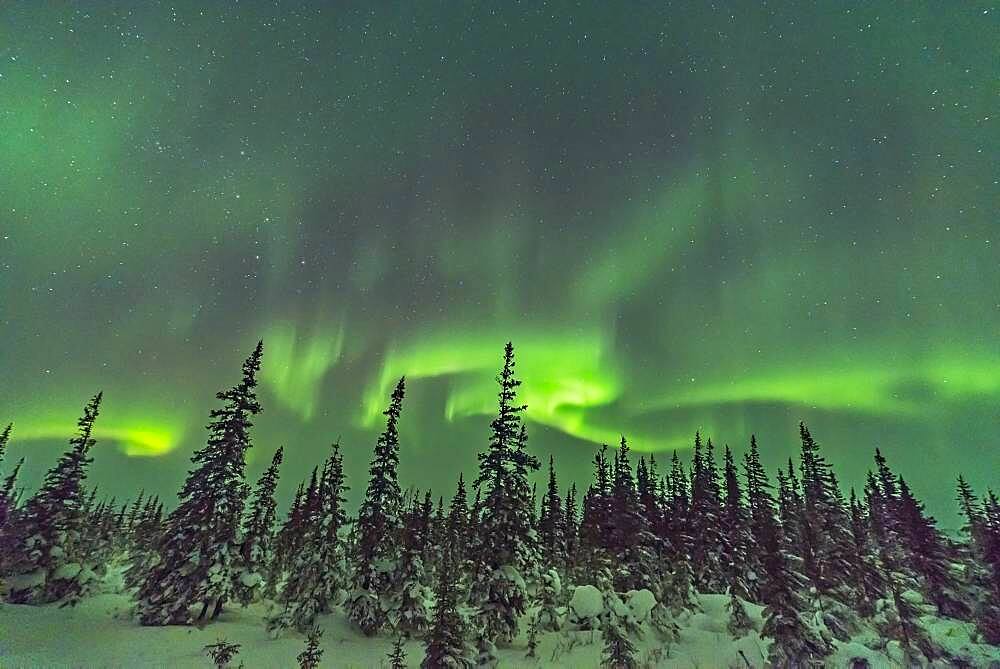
(717, 216)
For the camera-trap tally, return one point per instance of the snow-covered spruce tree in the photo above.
(865, 569)
(619, 651)
(378, 527)
(547, 598)
(631, 539)
(287, 541)
(595, 521)
(257, 547)
(199, 545)
(988, 612)
(409, 610)
(454, 549)
(551, 524)
(311, 656)
(6, 494)
(397, 656)
(927, 554)
(825, 539)
(46, 563)
(735, 534)
(570, 529)
(145, 537)
(316, 574)
(794, 642)
(8, 502)
(705, 519)
(507, 551)
(675, 530)
(447, 642)
(739, 621)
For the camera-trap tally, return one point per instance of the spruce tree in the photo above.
(630, 538)
(927, 554)
(257, 547)
(379, 524)
(46, 561)
(864, 567)
(455, 547)
(287, 541)
(825, 533)
(705, 519)
(447, 641)
(508, 552)
(595, 521)
(551, 524)
(7, 501)
(408, 611)
(199, 546)
(315, 576)
(735, 535)
(988, 612)
(397, 658)
(619, 651)
(570, 529)
(313, 653)
(739, 620)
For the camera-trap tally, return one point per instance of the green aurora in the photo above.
(727, 218)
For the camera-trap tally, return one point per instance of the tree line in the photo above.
(461, 575)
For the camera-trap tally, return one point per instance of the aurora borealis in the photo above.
(725, 217)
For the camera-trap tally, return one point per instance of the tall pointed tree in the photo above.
(48, 534)
(508, 551)
(551, 525)
(201, 541)
(378, 526)
(257, 547)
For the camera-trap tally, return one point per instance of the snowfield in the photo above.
(100, 632)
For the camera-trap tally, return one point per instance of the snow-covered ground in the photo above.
(101, 633)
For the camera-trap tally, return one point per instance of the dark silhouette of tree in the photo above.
(47, 536)
(257, 547)
(378, 526)
(507, 550)
(200, 543)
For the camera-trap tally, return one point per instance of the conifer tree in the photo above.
(630, 538)
(315, 576)
(735, 535)
(7, 501)
(288, 540)
(988, 611)
(446, 643)
(257, 547)
(508, 553)
(46, 537)
(454, 550)
(705, 518)
(619, 651)
(551, 524)
(397, 658)
(595, 530)
(313, 653)
(409, 612)
(864, 568)
(200, 543)
(739, 620)
(824, 533)
(378, 526)
(927, 555)
(570, 528)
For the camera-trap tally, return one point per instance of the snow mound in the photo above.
(587, 602)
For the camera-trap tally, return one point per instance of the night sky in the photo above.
(725, 217)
